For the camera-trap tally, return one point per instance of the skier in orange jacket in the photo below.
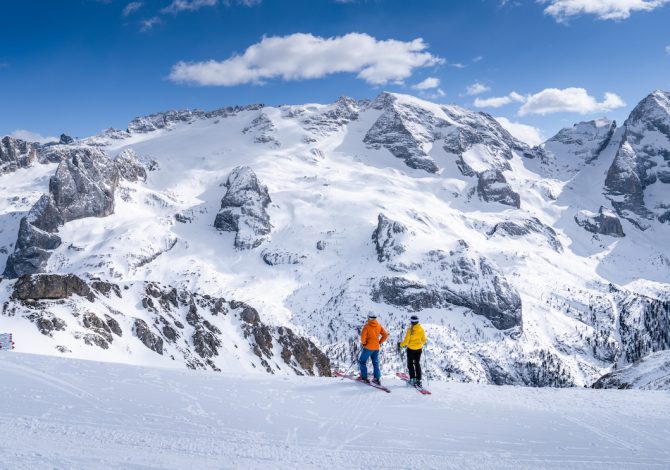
(372, 337)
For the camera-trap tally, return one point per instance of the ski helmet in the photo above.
(372, 316)
(414, 319)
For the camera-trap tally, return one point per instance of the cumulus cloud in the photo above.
(498, 101)
(477, 89)
(525, 133)
(305, 56)
(568, 100)
(427, 84)
(30, 136)
(602, 9)
(132, 7)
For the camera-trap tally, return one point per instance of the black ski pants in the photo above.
(414, 363)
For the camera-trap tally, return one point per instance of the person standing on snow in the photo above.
(414, 340)
(372, 337)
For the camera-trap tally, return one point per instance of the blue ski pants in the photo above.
(362, 362)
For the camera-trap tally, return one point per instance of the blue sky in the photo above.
(80, 66)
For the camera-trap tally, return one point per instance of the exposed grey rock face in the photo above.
(50, 286)
(303, 356)
(35, 240)
(243, 209)
(456, 278)
(129, 166)
(163, 120)
(643, 160)
(572, 148)
(605, 222)
(391, 132)
(65, 139)
(277, 257)
(388, 238)
(148, 338)
(83, 186)
(525, 228)
(334, 118)
(263, 130)
(16, 153)
(492, 186)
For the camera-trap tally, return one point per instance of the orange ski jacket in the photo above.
(370, 336)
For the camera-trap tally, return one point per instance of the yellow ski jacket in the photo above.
(415, 337)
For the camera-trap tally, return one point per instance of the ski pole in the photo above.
(352, 364)
(425, 365)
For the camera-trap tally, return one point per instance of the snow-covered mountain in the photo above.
(258, 237)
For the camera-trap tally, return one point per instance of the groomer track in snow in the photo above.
(66, 413)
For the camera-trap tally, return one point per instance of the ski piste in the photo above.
(355, 379)
(405, 377)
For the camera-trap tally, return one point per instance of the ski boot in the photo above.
(365, 381)
(376, 381)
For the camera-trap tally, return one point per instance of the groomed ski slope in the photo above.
(65, 413)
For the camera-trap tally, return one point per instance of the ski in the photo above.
(405, 377)
(355, 379)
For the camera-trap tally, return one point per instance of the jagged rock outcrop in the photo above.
(65, 139)
(50, 286)
(331, 119)
(83, 186)
(605, 222)
(203, 331)
(642, 160)
(16, 153)
(275, 257)
(566, 153)
(524, 228)
(301, 354)
(459, 277)
(129, 166)
(36, 239)
(263, 130)
(492, 186)
(243, 209)
(399, 130)
(388, 238)
(163, 120)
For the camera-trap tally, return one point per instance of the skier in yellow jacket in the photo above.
(414, 340)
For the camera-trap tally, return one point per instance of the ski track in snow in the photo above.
(74, 414)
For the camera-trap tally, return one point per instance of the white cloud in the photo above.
(30, 136)
(477, 89)
(498, 101)
(427, 84)
(146, 25)
(525, 133)
(188, 5)
(305, 56)
(477, 59)
(178, 6)
(132, 7)
(561, 10)
(458, 65)
(667, 49)
(568, 100)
